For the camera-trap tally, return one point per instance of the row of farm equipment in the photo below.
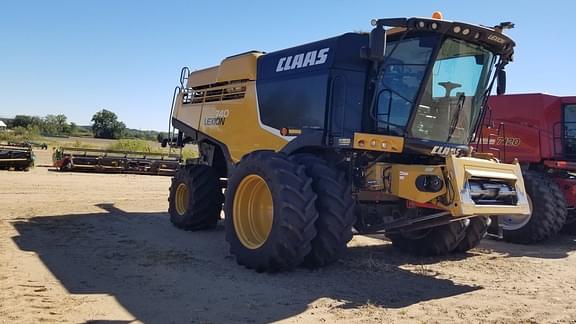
(20, 157)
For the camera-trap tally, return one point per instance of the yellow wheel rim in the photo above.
(253, 211)
(181, 199)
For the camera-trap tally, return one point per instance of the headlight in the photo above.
(429, 183)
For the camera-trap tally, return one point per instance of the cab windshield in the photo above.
(454, 93)
(451, 99)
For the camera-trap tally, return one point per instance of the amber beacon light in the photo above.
(437, 15)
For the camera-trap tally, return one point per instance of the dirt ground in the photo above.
(99, 248)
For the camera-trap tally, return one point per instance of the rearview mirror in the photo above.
(377, 44)
(501, 86)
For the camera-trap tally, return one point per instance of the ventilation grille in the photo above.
(215, 92)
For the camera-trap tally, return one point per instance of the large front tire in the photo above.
(439, 240)
(270, 212)
(195, 200)
(335, 210)
(548, 212)
(475, 232)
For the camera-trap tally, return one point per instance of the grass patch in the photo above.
(78, 144)
(134, 145)
(189, 153)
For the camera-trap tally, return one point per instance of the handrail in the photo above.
(184, 74)
(177, 91)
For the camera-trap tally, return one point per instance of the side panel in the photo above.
(517, 141)
(188, 113)
(295, 102)
(236, 123)
(529, 122)
(299, 85)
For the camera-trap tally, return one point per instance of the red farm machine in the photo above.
(538, 130)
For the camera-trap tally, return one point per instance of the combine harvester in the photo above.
(97, 160)
(364, 130)
(539, 131)
(18, 157)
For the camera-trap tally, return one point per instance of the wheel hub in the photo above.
(181, 199)
(253, 211)
(516, 221)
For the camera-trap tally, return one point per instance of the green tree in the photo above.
(62, 124)
(25, 121)
(55, 125)
(106, 125)
(49, 125)
(73, 128)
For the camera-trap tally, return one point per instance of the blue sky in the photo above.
(77, 57)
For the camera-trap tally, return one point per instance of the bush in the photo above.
(20, 134)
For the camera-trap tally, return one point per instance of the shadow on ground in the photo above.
(557, 247)
(161, 274)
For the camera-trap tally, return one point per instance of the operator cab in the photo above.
(569, 130)
(433, 81)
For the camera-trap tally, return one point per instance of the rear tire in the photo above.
(335, 208)
(439, 240)
(475, 232)
(548, 212)
(195, 200)
(270, 212)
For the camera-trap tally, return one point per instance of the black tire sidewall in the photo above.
(439, 240)
(548, 210)
(211, 207)
(267, 256)
(335, 207)
(475, 232)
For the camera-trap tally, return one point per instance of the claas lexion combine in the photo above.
(364, 131)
